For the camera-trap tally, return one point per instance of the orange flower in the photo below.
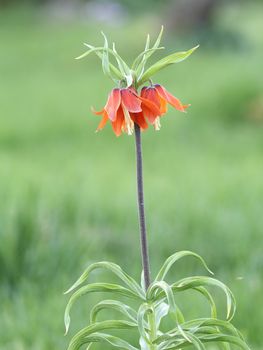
(160, 97)
(124, 108)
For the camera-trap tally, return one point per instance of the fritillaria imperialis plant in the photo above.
(153, 302)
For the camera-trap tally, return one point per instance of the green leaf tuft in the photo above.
(164, 62)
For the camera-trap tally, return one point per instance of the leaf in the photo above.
(221, 324)
(215, 338)
(144, 309)
(95, 287)
(147, 55)
(200, 281)
(143, 55)
(124, 68)
(173, 259)
(93, 49)
(167, 291)
(147, 47)
(199, 325)
(193, 341)
(225, 338)
(196, 342)
(173, 308)
(129, 79)
(161, 311)
(143, 344)
(97, 51)
(164, 62)
(178, 343)
(114, 268)
(143, 281)
(80, 338)
(112, 340)
(210, 299)
(113, 305)
(105, 57)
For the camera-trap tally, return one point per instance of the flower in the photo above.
(158, 95)
(124, 108)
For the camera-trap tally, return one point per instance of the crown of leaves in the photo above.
(138, 73)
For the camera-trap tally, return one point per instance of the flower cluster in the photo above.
(126, 107)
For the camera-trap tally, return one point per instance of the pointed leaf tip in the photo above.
(67, 323)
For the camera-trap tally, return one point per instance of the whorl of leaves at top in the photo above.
(137, 74)
(155, 304)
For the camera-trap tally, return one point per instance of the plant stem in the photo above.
(143, 235)
(153, 330)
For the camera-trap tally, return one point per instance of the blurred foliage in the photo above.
(68, 194)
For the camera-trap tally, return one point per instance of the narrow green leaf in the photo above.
(167, 290)
(198, 326)
(193, 341)
(112, 340)
(210, 299)
(114, 268)
(173, 259)
(200, 281)
(173, 308)
(226, 326)
(196, 342)
(115, 305)
(141, 65)
(161, 310)
(144, 309)
(124, 68)
(129, 79)
(80, 338)
(95, 287)
(143, 55)
(164, 62)
(225, 338)
(178, 343)
(85, 54)
(97, 51)
(105, 57)
(159, 38)
(143, 281)
(143, 344)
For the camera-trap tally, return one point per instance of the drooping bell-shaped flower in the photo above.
(126, 106)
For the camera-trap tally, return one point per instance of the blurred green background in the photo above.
(68, 195)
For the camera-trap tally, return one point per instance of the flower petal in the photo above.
(131, 101)
(150, 110)
(103, 121)
(150, 93)
(113, 104)
(97, 112)
(118, 123)
(139, 119)
(175, 102)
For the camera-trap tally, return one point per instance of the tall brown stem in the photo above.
(143, 234)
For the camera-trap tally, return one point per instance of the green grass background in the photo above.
(68, 195)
